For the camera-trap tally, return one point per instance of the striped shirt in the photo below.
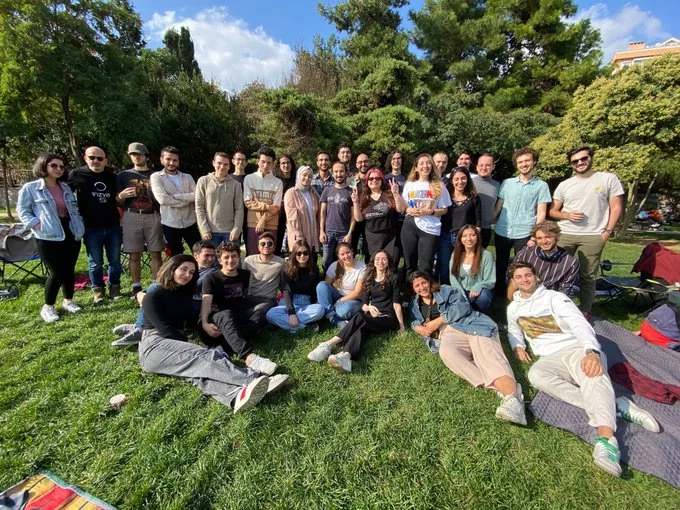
(558, 271)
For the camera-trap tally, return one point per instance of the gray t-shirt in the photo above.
(265, 276)
(338, 208)
(487, 191)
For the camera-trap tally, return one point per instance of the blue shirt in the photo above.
(520, 202)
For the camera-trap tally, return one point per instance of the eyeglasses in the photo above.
(575, 162)
(396, 159)
(56, 165)
(302, 254)
(268, 244)
(374, 179)
(96, 158)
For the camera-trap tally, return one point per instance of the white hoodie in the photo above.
(550, 321)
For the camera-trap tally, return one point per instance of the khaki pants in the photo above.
(561, 377)
(589, 252)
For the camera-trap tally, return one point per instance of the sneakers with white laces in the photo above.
(276, 382)
(49, 314)
(606, 455)
(123, 329)
(71, 307)
(250, 395)
(261, 365)
(320, 352)
(634, 414)
(341, 361)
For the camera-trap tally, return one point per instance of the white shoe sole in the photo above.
(255, 392)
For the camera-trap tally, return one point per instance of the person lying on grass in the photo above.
(165, 349)
(469, 343)
(380, 312)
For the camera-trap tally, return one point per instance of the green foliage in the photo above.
(318, 71)
(388, 128)
(181, 46)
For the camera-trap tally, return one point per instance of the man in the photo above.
(229, 310)
(262, 193)
(522, 202)
(174, 190)
(487, 191)
(588, 205)
(204, 253)
(359, 181)
(141, 223)
(345, 157)
(265, 271)
(441, 161)
(337, 221)
(465, 159)
(219, 203)
(240, 161)
(555, 268)
(363, 164)
(323, 177)
(95, 185)
(570, 366)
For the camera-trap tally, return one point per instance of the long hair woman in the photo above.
(466, 209)
(165, 350)
(469, 344)
(283, 169)
(426, 200)
(380, 312)
(301, 204)
(49, 208)
(473, 268)
(297, 309)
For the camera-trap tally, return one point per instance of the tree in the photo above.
(630, 119)
(181, 46)
(318, 71)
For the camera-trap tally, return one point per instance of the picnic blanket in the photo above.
(44, 491)
(655, 454)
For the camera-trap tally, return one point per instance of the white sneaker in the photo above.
(341, 361)
(123, 329)
(71, 307)
(250, 395)
(512, 410)
(634, 414)
(49, 314)
(132, 338)
(262, 365)
(320, 352)
(276, 382)
(606, 455)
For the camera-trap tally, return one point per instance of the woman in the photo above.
(299, 280)
(165, 350)
(283, 169)
(466, 208)
(469, 343)
(340, 293)
(301, 205)
(473, 268)
(380, 312)
(379, 208)
(426, 200)
(48, 207)
(395, 163)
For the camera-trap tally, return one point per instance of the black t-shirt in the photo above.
(382, 298)
(429, 312)
(96, 196)
(239, 179)
(304, 285)
(226, 291)
(379, 215)
(141, 180)
(167, 311)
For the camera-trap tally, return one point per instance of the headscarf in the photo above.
(298, 178)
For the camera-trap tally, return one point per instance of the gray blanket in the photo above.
(656, 454)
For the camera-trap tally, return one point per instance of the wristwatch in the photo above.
(594, 351)
(608, 230)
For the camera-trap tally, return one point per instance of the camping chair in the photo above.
(19, 255)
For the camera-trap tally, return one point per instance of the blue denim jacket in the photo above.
(36, 205)
(456, 310)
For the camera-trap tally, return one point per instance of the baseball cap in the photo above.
(137, 147)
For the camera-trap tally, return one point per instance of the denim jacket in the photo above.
(456, 310)
(36, 205)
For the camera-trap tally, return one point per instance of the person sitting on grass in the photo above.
(570, 366)
(340, 293)
(473, 269)
(204, 254)
(380, 312)
(165, 349)
(296, 309)
(469, 344)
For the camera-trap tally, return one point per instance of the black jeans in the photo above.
(242, 322)
(360, 326)
(174, 237)
(503, 247)
(486, 237)
(60, 257)
(419, 248)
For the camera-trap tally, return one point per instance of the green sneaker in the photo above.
(606, 455)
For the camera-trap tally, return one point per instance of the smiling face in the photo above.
(424, 167)
(380, 261)
(396, 161)
(170, 162)
(323, 162)
(95, 159)
(441, 160)
(306, 178)
(345, 154)
(221, 166)
(339, 173)
(265, 246)
(459, 181)
(285, 166)
(375, 183)
(525, 164)
(545, 240)
(239, 160)
(55, 168)
(421, 287)
(362, 163)
(485, 166)
(346, 256)
(184, 273)
(229, 260)
(464, 160)
(525, 280)
(469, 238)
(581, 162)
(206, 258)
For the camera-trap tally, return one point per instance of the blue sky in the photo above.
(240, 41)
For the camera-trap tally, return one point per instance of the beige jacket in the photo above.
(219, 205)
(299, 224)
(177, 203)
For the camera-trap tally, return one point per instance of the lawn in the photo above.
(400, 432)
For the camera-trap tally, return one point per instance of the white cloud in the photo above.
(226, 49)
(630, 24)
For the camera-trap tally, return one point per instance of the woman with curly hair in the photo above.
(380, 312)
(427, 200)
(299, 279)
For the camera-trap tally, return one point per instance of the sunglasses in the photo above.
(302, 254)
(56, 165)
(374, 179)
(96, 158)
(268, 244)
(575, 162)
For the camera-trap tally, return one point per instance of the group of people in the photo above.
(438, 220)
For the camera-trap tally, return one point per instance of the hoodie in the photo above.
(550, 321)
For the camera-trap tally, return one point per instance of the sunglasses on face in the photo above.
(302, 254)
(575, 162)
(268, 244)
(56, 165)
(374, 179)
(96, 158)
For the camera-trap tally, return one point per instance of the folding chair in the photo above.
(19, 257)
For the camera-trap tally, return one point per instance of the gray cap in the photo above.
(137, 147)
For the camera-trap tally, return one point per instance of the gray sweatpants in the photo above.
(561, 377)
(208, 370)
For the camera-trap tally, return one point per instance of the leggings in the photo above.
(60, 257)
(419, 248)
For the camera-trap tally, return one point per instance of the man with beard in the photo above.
(337, 222)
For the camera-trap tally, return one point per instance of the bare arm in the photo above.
(497, 209)
(541, 211)
(356, 293)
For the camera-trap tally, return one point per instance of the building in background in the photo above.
(638, 52)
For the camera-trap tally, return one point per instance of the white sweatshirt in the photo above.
(550, 321)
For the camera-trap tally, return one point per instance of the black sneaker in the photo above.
(135, 290)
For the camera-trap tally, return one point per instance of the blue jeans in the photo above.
(328, 297)
(482, 302)
(96, 241)
(446, 244)
(220, 237)
(332, 239)
(306, 312)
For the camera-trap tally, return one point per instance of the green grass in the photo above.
(400, 432)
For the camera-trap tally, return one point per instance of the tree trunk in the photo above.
(5, 181)
(629, 211)
(68, 121)
(644, 199)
